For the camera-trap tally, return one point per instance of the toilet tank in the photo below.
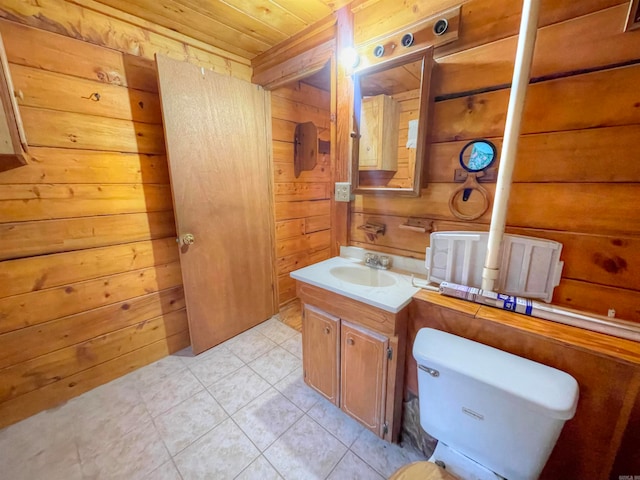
(503, 411)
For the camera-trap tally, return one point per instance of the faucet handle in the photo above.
(385, 261)
(368, 257)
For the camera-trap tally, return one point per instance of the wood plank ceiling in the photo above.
(244, 27)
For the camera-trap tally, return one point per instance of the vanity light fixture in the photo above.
(441, 26)
(407, 40)
(349, 58)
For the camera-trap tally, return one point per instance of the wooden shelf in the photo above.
(593, 342)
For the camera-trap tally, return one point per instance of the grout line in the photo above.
(198, 438)
(176, 467)
(279, 437)
(363, 432)
(338, 463)
(250, 463)
(153, 422)
(248, 437)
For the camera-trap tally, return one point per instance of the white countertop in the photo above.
(392, 298)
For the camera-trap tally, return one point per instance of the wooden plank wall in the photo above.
(90, 277)
(577, 176)
(303, 204)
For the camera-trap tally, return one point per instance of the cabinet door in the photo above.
(379, 124)
(370, 122)
(320, 351)
(363, 375)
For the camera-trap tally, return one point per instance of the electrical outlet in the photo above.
(343, 192)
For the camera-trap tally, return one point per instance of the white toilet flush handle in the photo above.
(431, 371)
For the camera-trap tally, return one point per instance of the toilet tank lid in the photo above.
(544, 388)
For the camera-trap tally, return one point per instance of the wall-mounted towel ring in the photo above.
(475, 157)
(470, 184)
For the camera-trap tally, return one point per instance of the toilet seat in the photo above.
(422, 471)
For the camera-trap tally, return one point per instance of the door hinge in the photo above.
(389, 353)
(332, 118)
(385, 428)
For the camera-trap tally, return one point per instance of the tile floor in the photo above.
(239, 410)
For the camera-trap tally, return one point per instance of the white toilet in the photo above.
(495, 415)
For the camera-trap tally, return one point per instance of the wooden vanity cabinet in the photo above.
(321, 347)
(363, 375)
(353, 354)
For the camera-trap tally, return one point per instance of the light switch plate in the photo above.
(343, 192)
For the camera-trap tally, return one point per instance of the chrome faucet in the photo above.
(381, 262)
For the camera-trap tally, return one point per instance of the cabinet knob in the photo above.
(327, 330)
(350, 341)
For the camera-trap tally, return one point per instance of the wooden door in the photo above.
(363, 372)
(218, 148)
(320, 351)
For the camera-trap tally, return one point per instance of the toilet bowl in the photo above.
(495, 415)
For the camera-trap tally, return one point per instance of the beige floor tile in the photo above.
(250, 345)
(105, 414)
(215, 366)
(293, 344)
(276, 330)
(188, 358)
(306, 451)
(24, 440)
(293, 387)
(183, 424)
(353, 468)
(267, 417)
(260, 469)
(155, 372)
(221, 454)
(170, 391)
(276, 364)
(384, 457)
(338, 423)
(238, 389)
(100, 427)
(57, 460)
(133, 456)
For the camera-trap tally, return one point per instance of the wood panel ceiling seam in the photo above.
(311, 36)
(215, 33)
(243, 28)
(295, 23)
(160, 30)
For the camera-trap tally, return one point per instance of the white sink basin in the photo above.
(389, 290)
(369, 277)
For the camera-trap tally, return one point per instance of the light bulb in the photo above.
(349, 57)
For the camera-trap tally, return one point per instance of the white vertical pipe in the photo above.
(521, 72)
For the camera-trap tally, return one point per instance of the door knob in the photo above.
(188, 239)
(350, 341)
(327, 330)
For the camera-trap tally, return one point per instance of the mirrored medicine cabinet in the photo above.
(390, 121)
